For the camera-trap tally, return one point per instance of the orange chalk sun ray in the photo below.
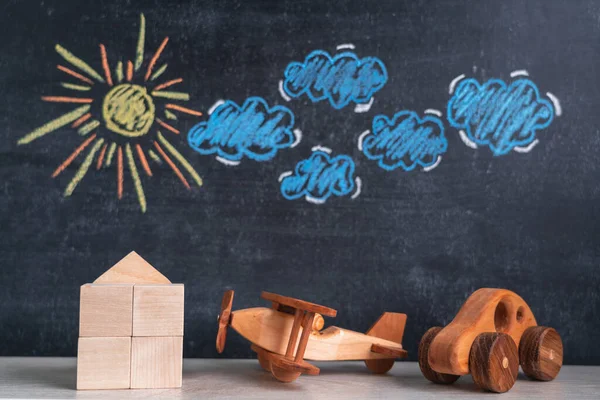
(155, 58)
(129, 71)
(73, 155)
(183, 109)
(101, 157)
(172, 165)
(143, 159)
(81, 120)
(168, 84)
(167, 126)
(105, 65)
(75, 74)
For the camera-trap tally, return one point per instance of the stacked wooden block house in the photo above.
(130, 329)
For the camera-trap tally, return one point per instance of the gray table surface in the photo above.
(54, 378)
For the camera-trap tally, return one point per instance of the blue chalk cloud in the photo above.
(341, 79)
(253, 130)
(319, 177)
(405, 141)
(499, 115)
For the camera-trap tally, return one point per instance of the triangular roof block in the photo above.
(132, 269)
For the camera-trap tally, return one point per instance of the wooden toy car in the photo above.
(491, 335)
(291, 331)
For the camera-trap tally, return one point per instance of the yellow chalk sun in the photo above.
(128, 110)
(129, 105)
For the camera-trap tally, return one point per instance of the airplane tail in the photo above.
(390, 326)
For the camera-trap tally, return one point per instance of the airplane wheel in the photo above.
(426, 370)
(264, 363)
(283, 375)
(494, 362)
(379, 366)
(541, 353)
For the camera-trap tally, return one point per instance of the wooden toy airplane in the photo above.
(290, 331)
(492, 333)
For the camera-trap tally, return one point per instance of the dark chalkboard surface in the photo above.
(496, 185)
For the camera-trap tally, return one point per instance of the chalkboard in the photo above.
(367, 156)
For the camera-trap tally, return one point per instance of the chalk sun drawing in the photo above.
(319, 177)
(119, 117)
(341, 79)
(252, 130)
(502, 116)
(405, 141)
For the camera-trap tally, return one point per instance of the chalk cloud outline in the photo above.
(427, 134)
(319, 177)
(467, 108)
(229, 128)
(318, 83)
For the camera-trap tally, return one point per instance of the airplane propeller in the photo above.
(224, 317)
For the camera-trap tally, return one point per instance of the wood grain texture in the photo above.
(156, 362)
(295, 333)
(389, 326)
(494, 362)
(388, 351)
(220, 379)
(158, 310)
(301, 304)
(103, 363)
(224, 320)
(271, 330)
(282, 367)
(541, 353)
(304, 336)
(381, 366)
(318, 322)
(284, 374)
(263, 359)
(486, 310)
(288, 367)
(264, 362)
(301, 366)
(132, 269)
(106, 310)
(426, 370)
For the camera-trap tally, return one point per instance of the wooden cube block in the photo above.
(106, 310)
(104, 363)
(156, 362)
(158, 310)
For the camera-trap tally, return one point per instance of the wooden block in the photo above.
(106, 310)
(156, 362)
(158, 310)
(132, 269)
(104, 363)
